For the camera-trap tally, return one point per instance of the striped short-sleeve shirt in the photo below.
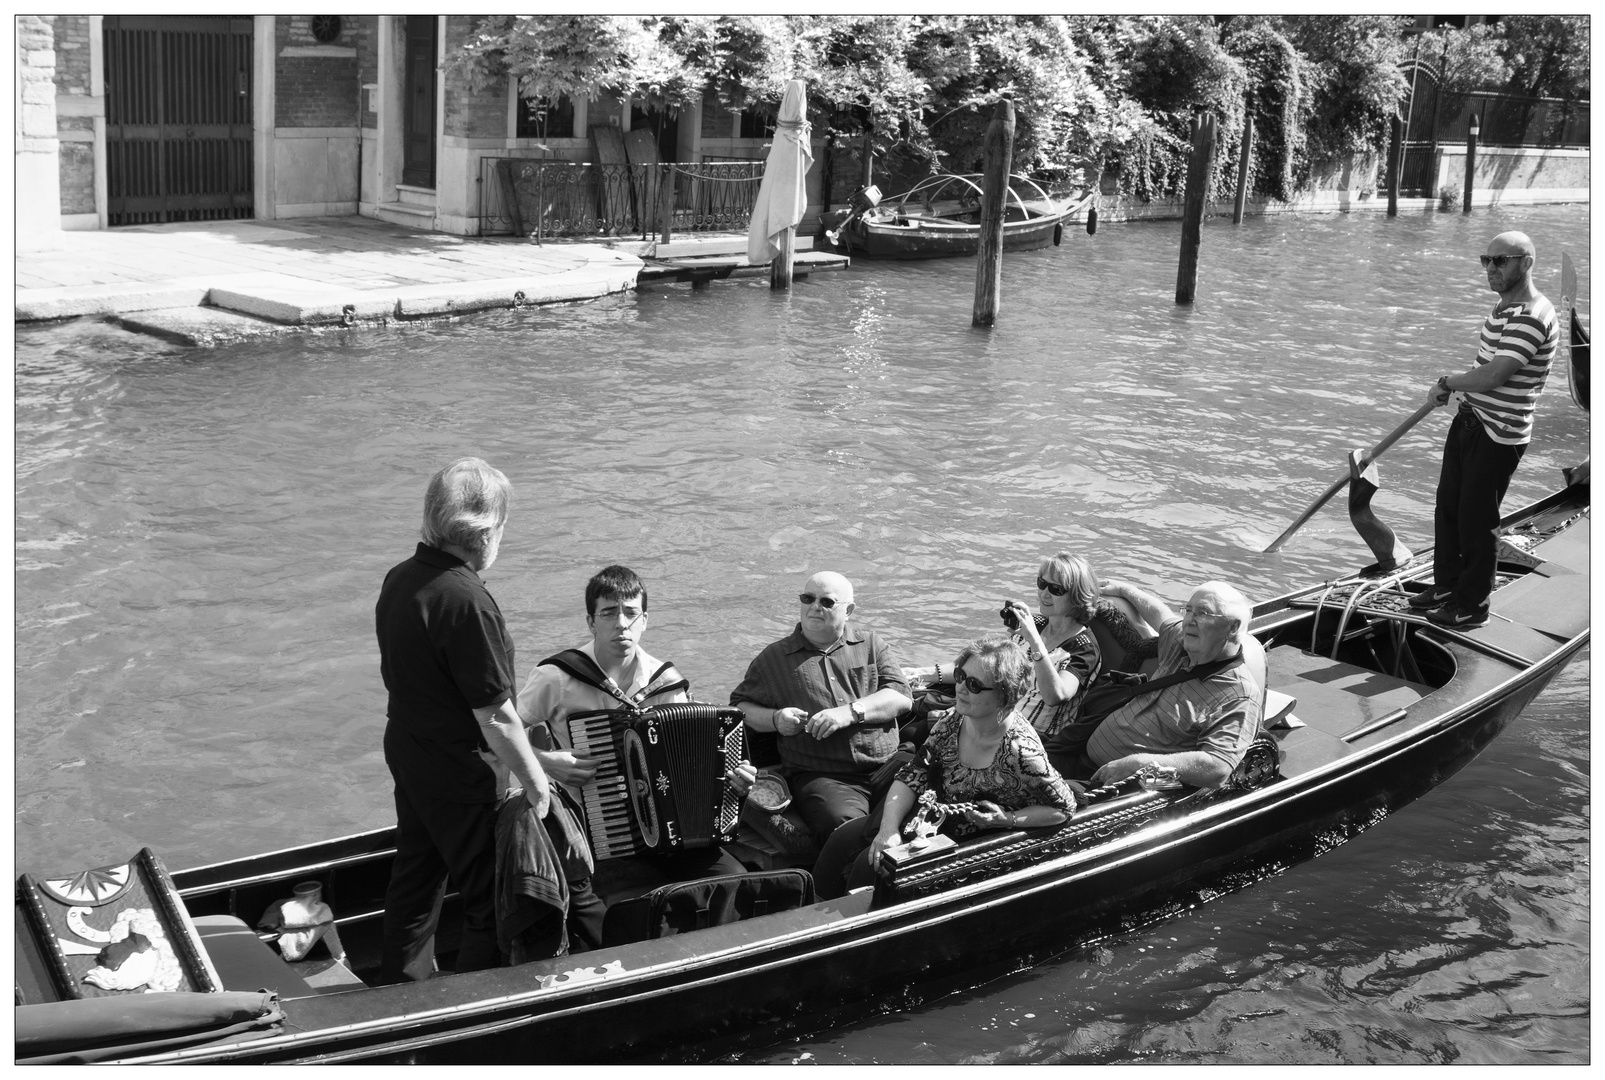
(1529, 332)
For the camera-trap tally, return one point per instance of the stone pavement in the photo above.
(308, 271)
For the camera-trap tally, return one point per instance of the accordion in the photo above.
(660, 783)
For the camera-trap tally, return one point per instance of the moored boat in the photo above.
(941, 216)
(1376, 705)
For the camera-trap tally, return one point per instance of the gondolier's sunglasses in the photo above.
(1497, 261)
(808, 598)
(1052, 586)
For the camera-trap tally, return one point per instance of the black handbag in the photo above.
(696, 905)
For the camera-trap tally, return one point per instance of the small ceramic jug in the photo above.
(301, 920)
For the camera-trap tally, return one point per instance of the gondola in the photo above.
(941, 216)
(1373, 706)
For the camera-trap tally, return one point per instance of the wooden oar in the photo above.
(1576, 336)
(1342, 482)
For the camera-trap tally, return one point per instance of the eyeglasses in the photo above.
(1200, 613)
(808, 598)
(1497, 261)
(976, 686)
(611, 614)
(1052, 586)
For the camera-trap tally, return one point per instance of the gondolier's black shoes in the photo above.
(1454, 617)
(1430, 597)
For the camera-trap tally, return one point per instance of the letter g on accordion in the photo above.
(660, 781)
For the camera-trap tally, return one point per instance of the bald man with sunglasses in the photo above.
(831, 692)
(1489, 434)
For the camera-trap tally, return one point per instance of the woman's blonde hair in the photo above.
(1076, 575)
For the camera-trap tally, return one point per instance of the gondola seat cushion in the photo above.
(246, 962)
(696, 905)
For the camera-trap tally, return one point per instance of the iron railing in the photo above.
(544, 197)
(1504, 121)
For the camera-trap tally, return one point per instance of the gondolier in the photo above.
(1489, 434)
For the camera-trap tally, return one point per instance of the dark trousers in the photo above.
(843, 862)
(1475, 475)
(437, 841)
(826, 801)
(586, 912)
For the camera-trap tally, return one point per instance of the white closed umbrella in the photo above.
(782, 196)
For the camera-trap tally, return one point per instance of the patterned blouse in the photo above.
(1019, 775)
(1081, 656)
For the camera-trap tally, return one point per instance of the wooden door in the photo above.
(178, 118)
(418, 118)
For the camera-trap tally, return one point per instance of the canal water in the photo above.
(201, 535)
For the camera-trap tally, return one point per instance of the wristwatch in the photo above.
(859, 716)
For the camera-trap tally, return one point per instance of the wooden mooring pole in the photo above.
(994, 205)
(1205, 130)
(1395, 162)
(1471, 164)
(666, 202)
(1243, 158)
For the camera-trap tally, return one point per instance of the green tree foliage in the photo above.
(1279, 80)
(1109, 96)
(972, 62)
(1355, 61)
(1547, 55)
(1177, 69)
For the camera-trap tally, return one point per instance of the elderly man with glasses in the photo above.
(1200, 726)
(832, 692)
(1488, 436)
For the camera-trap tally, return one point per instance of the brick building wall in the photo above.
(367, 42)
(317, 82)
(470, 114)
(76, 132)
(72, 54)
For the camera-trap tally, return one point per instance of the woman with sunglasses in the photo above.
(982, 753)
(1065, 654)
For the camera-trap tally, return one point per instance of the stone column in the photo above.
(38, 151)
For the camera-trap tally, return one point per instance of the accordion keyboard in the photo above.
(606, 801)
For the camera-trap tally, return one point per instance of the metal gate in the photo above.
(178, 118)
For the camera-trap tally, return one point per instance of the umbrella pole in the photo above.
(780, 268)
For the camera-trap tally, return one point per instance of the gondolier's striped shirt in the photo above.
(1530, 333)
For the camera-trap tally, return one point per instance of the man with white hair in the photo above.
(447, 662)
(832, 692)
(1488, 436)
(1201, 726)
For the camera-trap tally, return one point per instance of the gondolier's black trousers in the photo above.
(435, 841)
(1475, 475)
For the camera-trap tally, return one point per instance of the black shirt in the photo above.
(443, 652)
